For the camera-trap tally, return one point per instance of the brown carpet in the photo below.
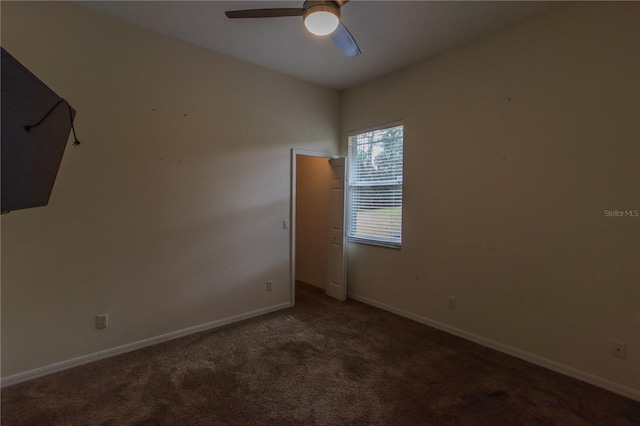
(320, 363)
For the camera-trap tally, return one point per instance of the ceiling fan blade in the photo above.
(264, 13)
(345, 42)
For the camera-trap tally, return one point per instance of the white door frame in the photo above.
(336, 283)
(292, 215)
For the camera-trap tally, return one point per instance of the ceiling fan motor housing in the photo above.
(320, 6)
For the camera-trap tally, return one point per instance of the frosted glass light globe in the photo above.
(321, 22)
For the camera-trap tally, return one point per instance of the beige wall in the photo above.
(313, 194)
(514, 147)
(169, 215)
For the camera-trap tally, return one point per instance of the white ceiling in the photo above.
(391, 34)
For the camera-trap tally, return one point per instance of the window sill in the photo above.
(387, 244)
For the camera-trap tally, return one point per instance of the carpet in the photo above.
(321, 362)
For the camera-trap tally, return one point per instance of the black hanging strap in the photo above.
(76, 142)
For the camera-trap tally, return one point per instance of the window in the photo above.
(375, 186)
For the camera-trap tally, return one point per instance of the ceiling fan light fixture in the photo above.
(321, 20)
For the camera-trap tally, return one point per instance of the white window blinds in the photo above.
(375, 186)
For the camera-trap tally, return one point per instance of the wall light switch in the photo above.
(285, 224)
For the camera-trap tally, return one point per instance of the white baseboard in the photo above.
(306, 280)
(309, 281)
(85, 359)
(534, 359)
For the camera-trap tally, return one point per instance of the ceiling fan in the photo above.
(320, 18)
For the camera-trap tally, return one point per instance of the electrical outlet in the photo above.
(269, 285)
(102, 321)
(452, 302)
(619, 349)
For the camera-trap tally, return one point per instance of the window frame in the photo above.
(351, 166)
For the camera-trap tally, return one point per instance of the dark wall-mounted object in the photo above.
(31, 153)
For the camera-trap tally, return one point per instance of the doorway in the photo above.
(313, 218)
